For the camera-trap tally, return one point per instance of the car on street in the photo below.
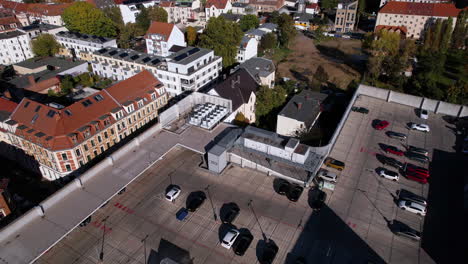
(392, 162)
(317, 198)
(196, 202)
(417, 157)
(361, 110)
(232, 213)
(424, 114)
(404, 230)
(294, 192)
(269, 253)
(333, 163)
(412, 207)
(327, 175)
(283, 186)
(173, 193)
(230, 238)
(419, 127)
(417, 150)
(396, 135)
(389, 174)
(381, 124)
(242, 243)
(394, 150)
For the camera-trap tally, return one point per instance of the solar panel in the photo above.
(113, 52)
(98, 98)
(134, 57)
(194, 50)
(180, 57)
(102, 50)
(125, 54)
(101, 39)
(155, 61)
(146, 59)
(51, 113)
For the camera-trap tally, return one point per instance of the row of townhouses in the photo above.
(63, 139)
(36, 12)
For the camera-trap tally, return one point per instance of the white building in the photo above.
(312, 8)
(415, 17)
(383, 2)
(247, 49)
(242, 9)
(214, 8)
(268, 27)
(82, 45)
(300, 113)
(35, 30)
(131, 8)
(261, 69)
(161, 37)
(40, 12)
(15, 46)
(181, 12)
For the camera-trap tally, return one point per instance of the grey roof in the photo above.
(264, 136)
(258, 67)
(51, 61)
(270, 26)
(237, 87)
(232, 17)
(11, 34)
(256, 32)
(4, 115)
(103, 3)
(130, 56)
(188, 55)
(306, 17)
(304, 106)
(238, 4)
(244, 41)
(83, 37)
(39, 26)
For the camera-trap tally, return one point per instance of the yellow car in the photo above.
(336, 164)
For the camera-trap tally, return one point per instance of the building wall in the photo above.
(117, 69)
(383, 2)
(247, 109)
(83, 49)
(14, 50)
(156, 45)
(214, 12)
(248, 52)
(129, 12)
(346, 17)
(181, 14)
(287, 126)
(268, 80)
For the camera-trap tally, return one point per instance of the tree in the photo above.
(142, 19)
(437, 35)
(446, 34)
(268, 99)
(329, 4)
(274, 17)
(287, 31)
(156, 13)
(268, 41)
(67, 84)
(223, 37)
(114, 14)
(85, 18)
(191, 35)
(248, 22)
(321, 75)
(460, 32)
(45, 45)
(241, 120)
(127, 33)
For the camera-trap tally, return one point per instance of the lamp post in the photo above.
(101, 254)
(256, 218)
(207, 189)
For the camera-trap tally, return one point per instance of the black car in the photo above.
(392, 162)
(196, 202)
(294, 192)
(283, 187)
(242, 243)
(361, 110)
(417, 157)
(269, 253)
(417, 150)
(232, 213)
(396, 135)
(86, 222)
(317, 198)
(401, 229)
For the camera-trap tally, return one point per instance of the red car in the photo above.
(394, 150)
(416, 178)
(410, 168)
(381, 125)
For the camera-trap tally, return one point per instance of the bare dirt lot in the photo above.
(334, 55)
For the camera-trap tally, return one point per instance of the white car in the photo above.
(327, 176)
(412, 207)
(420, 127)
(389, 174)
(230, 238)
(173, 193)
(424, 114)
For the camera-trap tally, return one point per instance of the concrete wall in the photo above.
(429, 104)
(448, 109)
(373, 92)
(464, 111)
(405, 99)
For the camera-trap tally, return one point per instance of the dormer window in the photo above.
(140, 104)
(153, 96)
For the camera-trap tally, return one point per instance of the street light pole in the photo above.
(101, 255)
(211, 201)
(256, 218)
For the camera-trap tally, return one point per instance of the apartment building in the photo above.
(63, 140)
(261, 69)
(161, 37)
(383, 2)
(266, 5)
(248, 48)
(8, 22)
(41, 12)
(36, 29)
(81, 46)
(415, 17)
(131, 8)
(182, 12)
(346, 15)
(14, 47)
(214, 8)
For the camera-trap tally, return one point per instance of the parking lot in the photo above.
(366, 202)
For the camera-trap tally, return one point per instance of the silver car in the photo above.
(327, 176)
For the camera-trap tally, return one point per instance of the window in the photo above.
(78, 152)
(68, 167)
(64, 156)
(105, 134)
(85, 147)
(88, 157)
(92, 143)
(99, 139)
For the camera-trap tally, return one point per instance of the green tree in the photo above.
(437, 35)
(329, 4)
(66, 84)
(85, 18)
(143, 20)
(241, 120)
(191, 35)
(274, 17)
(114, 14)
(127, 33)
(287, 31)
(446, 34)
(156, 13)
(268, 41)
(223, 37)
(427, 39)
(321, 75)
(248, 22)
(45, 45)
(460, 31)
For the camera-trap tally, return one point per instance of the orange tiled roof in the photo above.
(421, 9)
(42, 9)
(160, 28)
(167, 4)
(219, 4)
(312, 6)
(7, 105)
(402, 29)
(43, 85)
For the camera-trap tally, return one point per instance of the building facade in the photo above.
(261, 69)
(81, 46)
(383, 2)
(415, 17)
(15, 46)
(346, 15)
(181, 12)
(214, 8)
(34, 30)
(8, 22)
(161, 37)
(266, 5)
(247, 49)
(40, 12)
(63, 140)
(131, 8)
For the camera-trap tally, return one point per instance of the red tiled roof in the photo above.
(219, 4)
(312, 6)
(119, 2)
(420, 9)
(7, 105)
(42, 9)
(167, 4)
(160, 28)
(275, 3)
(43, 85)
(403, 29)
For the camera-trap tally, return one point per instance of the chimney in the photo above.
(299, 105)
(31, 80)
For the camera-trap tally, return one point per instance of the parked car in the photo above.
(231, 213)
(411, 168)
(196, 202)
(394, 150)
(269, 253)
(424, 114)
(382, 124)
(327, 175)
(415, 198)
(173, 193)
(242, 243)
(317, 198)
(294, 192)
(412, 207)
(392, 162)
(333, 163)
(417, 157)
(230, 238)
(396, 135)
(361, 110)
(389, 174)
(416, 177)
(419, 127)
(404, 230)
(85, 222)
(417, 150)
(283, 186)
